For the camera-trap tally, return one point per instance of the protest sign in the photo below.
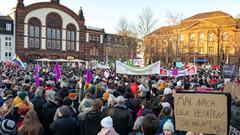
(201, 112)
(228, 87)
(122, 68)
(229, 70)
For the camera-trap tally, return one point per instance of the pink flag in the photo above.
(175, 72)
(57, 72)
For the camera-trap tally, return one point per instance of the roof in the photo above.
(7, 18)
(208, 15)
(161, 31)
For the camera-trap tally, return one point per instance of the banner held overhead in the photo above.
(122, 68)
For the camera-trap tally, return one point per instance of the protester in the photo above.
(107, 124)
(150, 125)
(122, 117)
(31, 125)
(8, 127)
(65, 124)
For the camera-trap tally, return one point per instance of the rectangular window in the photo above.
(10, 54)
(48, 44)
(9, 38)
(228, 49)
(36, 43)
(72, 46)
(211, 50)
(8, 26)
(68, 45)
(6, 44)
(58, 44)
(6, 38)
(6, 54)
(31, 40)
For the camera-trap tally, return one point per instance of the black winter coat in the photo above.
(48, 114)
(91, 125)
(38, 103)
(122, 119)
(64, 126)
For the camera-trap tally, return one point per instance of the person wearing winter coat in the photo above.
(38, 103)
(65, 124)
(22, 100)
(90, 125)
(235, 114)
(107, 124)
(122, 117)
(49, 110)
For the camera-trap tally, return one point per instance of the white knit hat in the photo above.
(167, 91)
(107, 122)
(168, 125)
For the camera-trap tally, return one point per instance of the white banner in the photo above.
(147, 70)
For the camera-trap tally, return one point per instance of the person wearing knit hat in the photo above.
(168, 128)
(167, 91)
(107, 124)
(50, 95)
(8, 127)
(39, 92)
(105, 96)
(22, 100)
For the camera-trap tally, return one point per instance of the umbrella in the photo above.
(44, 60)
(61, 60)
(77, 60)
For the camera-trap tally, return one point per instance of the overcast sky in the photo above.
(106, 13)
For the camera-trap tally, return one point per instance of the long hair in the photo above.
(31, 124)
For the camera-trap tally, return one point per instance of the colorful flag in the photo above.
(175, 72)
(57, 72)
(89, 75)
(37, 76)
(18, 61)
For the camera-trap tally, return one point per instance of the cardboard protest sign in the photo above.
(228, 87)
(235, 92)
(201, 112)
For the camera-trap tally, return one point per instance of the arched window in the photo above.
(225, 36)
(34, 30)
(201, 37)
(54, 30)
(211, 37)
(71, 37)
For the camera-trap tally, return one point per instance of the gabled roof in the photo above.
(6, 18)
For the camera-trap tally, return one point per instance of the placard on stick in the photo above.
(201, 112)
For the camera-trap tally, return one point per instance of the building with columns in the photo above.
(211, 37)
(51, 30)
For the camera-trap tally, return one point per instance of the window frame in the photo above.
(35, 36)
(54, 23)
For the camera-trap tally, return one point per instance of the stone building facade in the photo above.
(211, 37)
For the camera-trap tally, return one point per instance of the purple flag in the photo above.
(57, 72)
(37, 76)
(89, 76)
(175, 72)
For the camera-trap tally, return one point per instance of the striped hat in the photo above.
(7, 127)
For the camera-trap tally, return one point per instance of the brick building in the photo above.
(52, 30)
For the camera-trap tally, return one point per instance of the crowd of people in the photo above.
(110, 104)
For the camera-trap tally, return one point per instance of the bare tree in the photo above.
(145, 24)
(126, 31)
(173, 19)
